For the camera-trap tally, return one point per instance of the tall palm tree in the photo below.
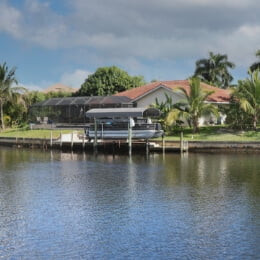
(7, 91)
(248, 96)
(194, 105)
(256, 65)
(214, 70)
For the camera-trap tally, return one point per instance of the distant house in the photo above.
(146, 95)
(58, 87)
(71, 110)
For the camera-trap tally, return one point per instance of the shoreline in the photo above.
(115, 146)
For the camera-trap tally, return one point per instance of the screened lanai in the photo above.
(71, 110)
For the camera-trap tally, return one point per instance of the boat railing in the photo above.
(124, 126)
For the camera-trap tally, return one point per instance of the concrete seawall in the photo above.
(215, 146)
(118, 146)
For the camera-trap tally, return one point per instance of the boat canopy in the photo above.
(122, 112)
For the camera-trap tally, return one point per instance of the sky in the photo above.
(51, 41)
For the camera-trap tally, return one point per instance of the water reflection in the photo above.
(67, 206)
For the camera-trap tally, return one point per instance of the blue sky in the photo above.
(52, 41)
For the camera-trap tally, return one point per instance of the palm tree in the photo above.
(165, 107)
(214, 70)
(194, 106)
(256, 65)
(7, 91)
(248, 96)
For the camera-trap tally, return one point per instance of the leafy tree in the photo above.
(59, 94)
(165, 107)
(256, 65)
(7, 91)
(194, 106)
(248, 95)
(33, 97)
(237, 118)
(109, 81)
(214, 70)
(16, 112)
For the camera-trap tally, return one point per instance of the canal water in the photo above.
(81, 206)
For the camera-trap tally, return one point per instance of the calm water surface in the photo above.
(70, 206)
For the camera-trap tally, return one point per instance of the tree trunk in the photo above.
(2, 115)
(195, 125)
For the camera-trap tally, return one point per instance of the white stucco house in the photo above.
(146, 95)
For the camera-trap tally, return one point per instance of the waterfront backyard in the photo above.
(212, 133)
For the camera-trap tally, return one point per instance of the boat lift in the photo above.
(124, 114)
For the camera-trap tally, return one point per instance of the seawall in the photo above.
(120, 145)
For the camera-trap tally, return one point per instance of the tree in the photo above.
(7, 91)
(165, 107)
(109, 81)
(248, 95)
(214, 70)
(237, 118)
(256, 65)
(194, 106)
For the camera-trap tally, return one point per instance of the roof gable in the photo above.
(219, 95)
(58, 87)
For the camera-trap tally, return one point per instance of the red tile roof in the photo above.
(58, 87)
(219, 95)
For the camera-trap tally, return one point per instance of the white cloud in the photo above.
(75, 78)
(138, 31)
(31, 87)
(10, 19)
(142, 28)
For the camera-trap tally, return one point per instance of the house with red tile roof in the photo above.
(58, 87)
(146, 95)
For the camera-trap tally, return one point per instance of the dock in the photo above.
(73, 142)
(77, 142)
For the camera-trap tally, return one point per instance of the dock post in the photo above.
(181, 143)
(95, 139)
(147, 147)
(163, 144)
(186, 146)
(83, 142)
(71, 145)
(60, 140)
(114, 148)
(51, 140)
(130, 137)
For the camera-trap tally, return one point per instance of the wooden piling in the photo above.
(71, 143)
(147, 146)
(51, 140)
(129, 139)
(181, 143)
(83, 142)
(95, 138)
(163, 144)
(60, 140)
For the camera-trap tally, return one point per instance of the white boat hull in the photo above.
(124, 134)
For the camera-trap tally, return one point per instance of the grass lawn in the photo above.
(217, 133)
(211, 133)
(41, 133)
